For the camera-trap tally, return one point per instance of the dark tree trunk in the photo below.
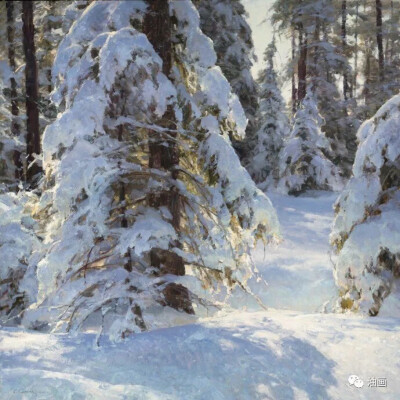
(355, 73)
(31, 85)
(379, 39)
(49, 27)
(391, 41)
(328, 76)
(302, 65)
(157, 27)
(11, 59)
(294, 89)
(314, 71)
(346, 89)
(367, 82)
(15, 128)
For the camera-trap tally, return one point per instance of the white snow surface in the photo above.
(298, 271)
(264, 355)
(297, 353)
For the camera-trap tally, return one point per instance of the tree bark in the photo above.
(346, 89)
(157, 27)
(391, 50)
(367, 82)
(379, 39)
(294, 89)
(15, 128)
(49, 26)
(31, 85)
(355, 74)
(302, 65)
(314, 71)
(390, 38)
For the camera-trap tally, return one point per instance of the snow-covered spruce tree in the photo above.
(48, 18)
(17, 243)
(303, 160)
(224, 21)
(7, 142)
(11, 145)
(17, 237)
(263, 159)
(147, 214)
(53, 20)
(366, 230)
(378, 50)
(319, 63)
(324, 65)
(11, 130)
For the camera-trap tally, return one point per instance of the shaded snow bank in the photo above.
(265, 355)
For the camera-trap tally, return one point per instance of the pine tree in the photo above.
(42, 36)
(7, 144)
(17, 238)
(303, 160)
(11, 169)
(378, 33)
(48, 18)
(392, 46)
(318, 64)
(367, 264)
(12, 64)
(262, 162)
(18, 241)
(147, 215)
(225, 23)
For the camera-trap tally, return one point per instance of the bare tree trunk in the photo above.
(31, 85)
(328, 75)
(157, 27)
(314, 71)
(346, 90)
(379, 39)
(302, 65)
(355, 74)
(48, 28)
(367, 83)
(294, 89)
(15, 128)
(389, 56)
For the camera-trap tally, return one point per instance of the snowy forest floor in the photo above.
(290, 351)
(299, 270)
